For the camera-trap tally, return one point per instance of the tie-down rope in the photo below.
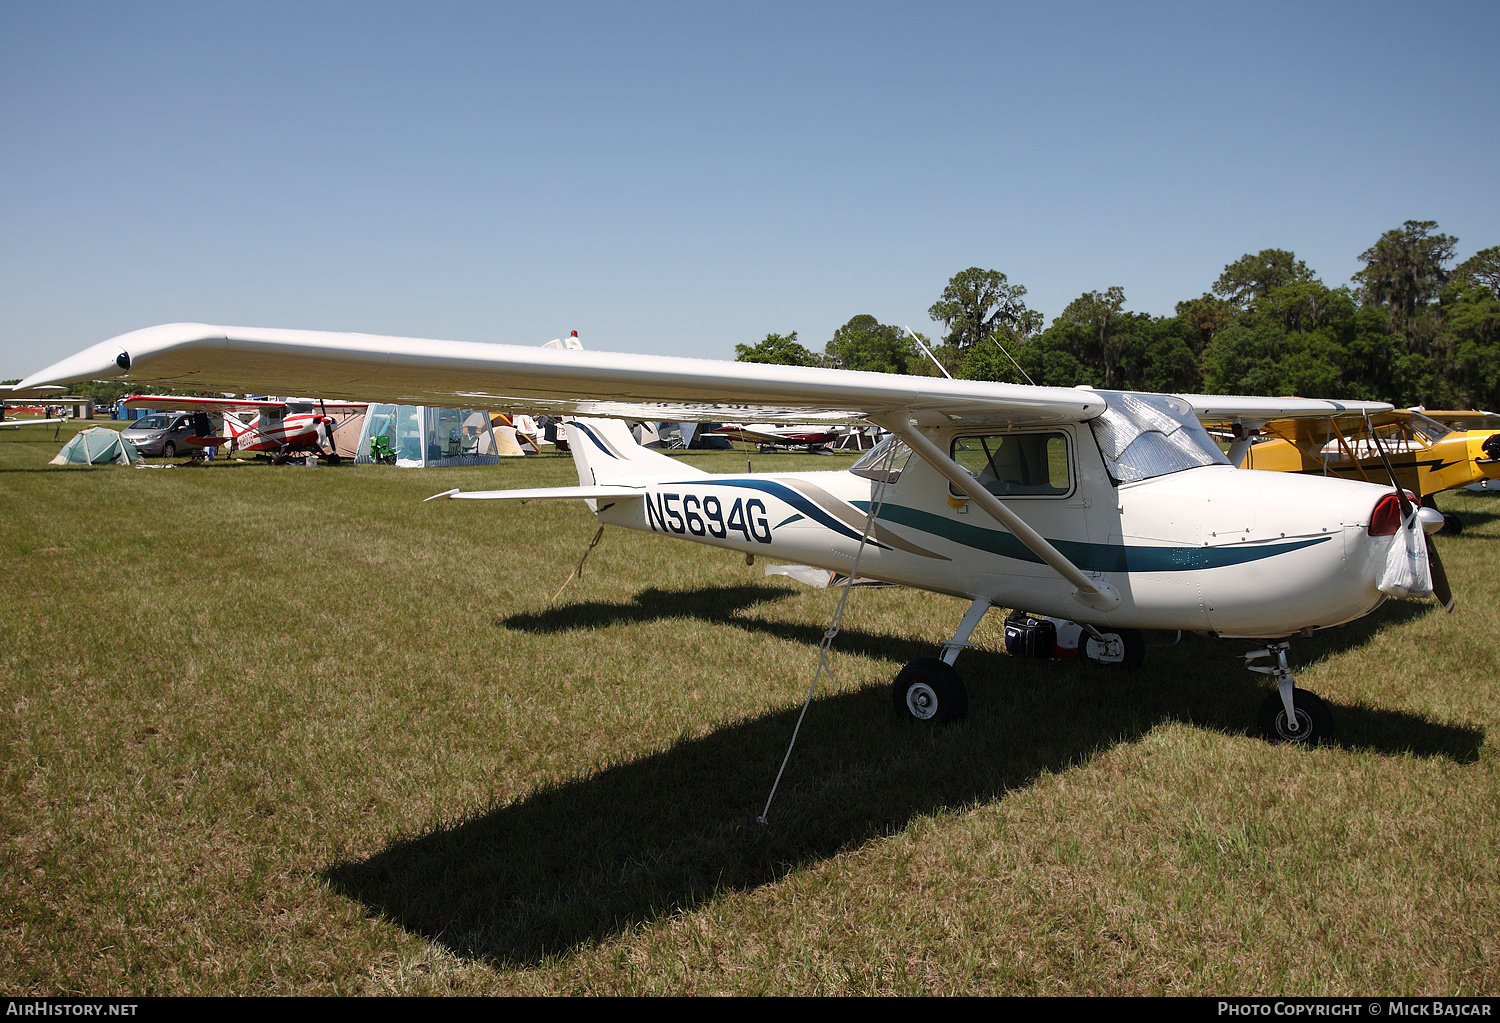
(877, 498)
(579, 570)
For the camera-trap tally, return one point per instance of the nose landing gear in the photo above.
(1289, 714)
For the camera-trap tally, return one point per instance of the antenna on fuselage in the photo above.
(1012, 359)
(927, 352)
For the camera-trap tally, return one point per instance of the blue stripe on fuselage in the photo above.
(1090, 557)
(783, 493)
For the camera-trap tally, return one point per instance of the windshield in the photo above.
(150, 423)
(873, 465)
(1429, 429)
(1146, 435)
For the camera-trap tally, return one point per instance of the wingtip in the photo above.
(446, 493)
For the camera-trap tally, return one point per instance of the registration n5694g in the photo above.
(689, 514)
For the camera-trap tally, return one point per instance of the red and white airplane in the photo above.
(280, 427)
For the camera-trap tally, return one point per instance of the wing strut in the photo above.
(1096, 593)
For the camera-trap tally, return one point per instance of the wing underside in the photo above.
(502, 377)
(179, 403)
(368, 367)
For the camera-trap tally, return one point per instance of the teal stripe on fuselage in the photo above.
(1090, 557)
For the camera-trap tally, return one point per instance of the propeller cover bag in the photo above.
(1407, 572)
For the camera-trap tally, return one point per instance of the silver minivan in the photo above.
(161, 434)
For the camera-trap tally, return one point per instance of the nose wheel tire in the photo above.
(930, 691)
(1452, 524)
(1314, 720)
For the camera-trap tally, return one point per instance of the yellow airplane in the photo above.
(1429, 452)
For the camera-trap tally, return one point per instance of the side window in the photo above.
(1016, 464)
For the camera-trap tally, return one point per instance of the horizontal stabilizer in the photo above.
(539, 494)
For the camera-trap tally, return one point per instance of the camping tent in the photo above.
(422, 437)
(98, 445)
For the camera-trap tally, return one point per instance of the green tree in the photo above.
(1480, 271)
(1062, 356)
(1246, 358)
(864, 343)
(980, 304)
(1100, 315)
(1471, 316)
(1205, 317)
(1157, 354)
(776, 349)
(1251, 278)
(1404, 271)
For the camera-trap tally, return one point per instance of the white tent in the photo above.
(421, 437)
(98, 445)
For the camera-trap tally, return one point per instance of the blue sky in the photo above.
(680, 178)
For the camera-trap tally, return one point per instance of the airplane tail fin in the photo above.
(604, 450)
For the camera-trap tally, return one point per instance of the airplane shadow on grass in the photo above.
(588, 860)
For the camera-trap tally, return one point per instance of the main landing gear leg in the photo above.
(1289, 714)
(929, 689)
(966, 628)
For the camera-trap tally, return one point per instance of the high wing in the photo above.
(1466, 420)
(7, 423)
(503, 377)
(1224, 411)
(178, 402)
(15, 424)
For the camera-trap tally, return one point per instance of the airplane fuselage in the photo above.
(1455, 460)
(1213, 548)
(297, 432)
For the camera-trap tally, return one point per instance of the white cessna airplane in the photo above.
(1111, 509)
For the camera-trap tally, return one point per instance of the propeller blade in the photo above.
(1440, 588)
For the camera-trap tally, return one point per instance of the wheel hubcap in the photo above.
(921, 701)
(1304, 727)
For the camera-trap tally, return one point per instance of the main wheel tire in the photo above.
(930, 691)
(169, 450)
(1452, 524)
(1132, 654)
(1314, 719)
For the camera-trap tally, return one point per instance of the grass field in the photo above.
(283, 730)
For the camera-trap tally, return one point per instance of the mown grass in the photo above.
(293, 731)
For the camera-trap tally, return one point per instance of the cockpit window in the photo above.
(1143, 436)
(873, 465)
(1015, 464)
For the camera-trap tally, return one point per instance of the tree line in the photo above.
(1410, 328)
